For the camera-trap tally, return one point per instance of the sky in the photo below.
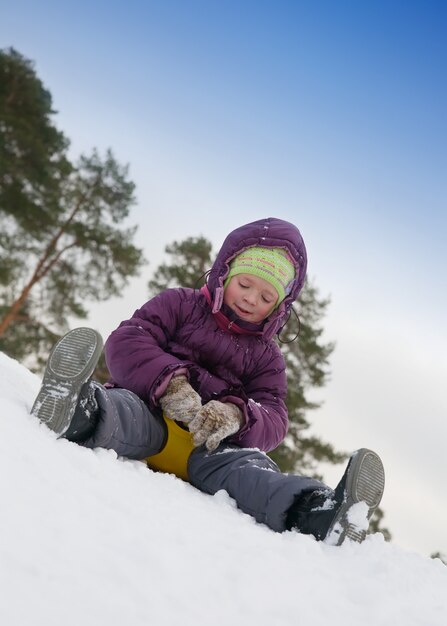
(328, 114)
(94, 539)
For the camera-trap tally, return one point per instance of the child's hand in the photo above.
(214, 422)
(180, 402)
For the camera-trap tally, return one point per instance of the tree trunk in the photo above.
(41, 269)
(39, 273)
(15, 308)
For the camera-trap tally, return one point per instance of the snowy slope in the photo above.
(88, 538)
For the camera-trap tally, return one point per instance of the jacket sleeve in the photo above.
(136, 352)
(264, 408)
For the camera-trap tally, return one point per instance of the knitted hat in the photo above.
(271, 264)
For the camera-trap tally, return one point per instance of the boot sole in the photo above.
(365, 482)
(71, 363)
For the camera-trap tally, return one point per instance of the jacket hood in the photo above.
(267, 232)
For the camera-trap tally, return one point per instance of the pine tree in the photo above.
(32, 151)
(62, 242)
(307, 366)
(190, 259)
(375, 525)
(440, 556)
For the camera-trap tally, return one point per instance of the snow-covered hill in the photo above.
(88, 538)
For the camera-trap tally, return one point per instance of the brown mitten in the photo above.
(180, 402)
(214, 422)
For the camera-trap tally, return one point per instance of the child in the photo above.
(198, 388)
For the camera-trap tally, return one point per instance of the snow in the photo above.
(89, 538)
(358, 515)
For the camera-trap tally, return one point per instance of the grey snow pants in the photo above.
(250, 477)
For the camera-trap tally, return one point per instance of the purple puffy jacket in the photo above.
(225, 358)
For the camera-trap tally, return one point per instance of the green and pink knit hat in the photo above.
(272, 264)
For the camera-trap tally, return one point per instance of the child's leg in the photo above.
(125, 424)
(252, 479)
(74, 407)
(286, 501)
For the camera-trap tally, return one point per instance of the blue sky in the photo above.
(331, 114)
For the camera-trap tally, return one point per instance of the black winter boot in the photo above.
(331, 516)
(85, 417)
(66, 401)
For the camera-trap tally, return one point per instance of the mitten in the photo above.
(180, 402)
(214, 422)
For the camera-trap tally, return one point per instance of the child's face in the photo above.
(252, 298)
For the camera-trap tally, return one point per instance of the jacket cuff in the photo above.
(240, 405)
(164, 380)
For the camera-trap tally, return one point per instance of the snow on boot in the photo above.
(85, 416)
(66, 390)
(333, 516)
